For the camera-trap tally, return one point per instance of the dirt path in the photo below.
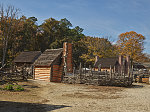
(58, 97)
(83, 98)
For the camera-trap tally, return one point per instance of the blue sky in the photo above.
(98, 18)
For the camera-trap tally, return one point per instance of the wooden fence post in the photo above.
(90, 68)
(80, 72)
(114, 72)
(110, 72)
(84, 69)
(99, 67)
(131, 75)
(128, 73)
(73, 71)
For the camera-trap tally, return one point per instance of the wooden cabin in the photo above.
(104, 64)
(138, 67)
(116, 64)
(147, 65)
(51, 64)
(25, 61)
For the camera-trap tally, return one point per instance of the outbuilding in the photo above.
(25, 61)
(52, 63)
(116, 64)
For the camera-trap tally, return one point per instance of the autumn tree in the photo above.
(131, 43)
(101, 47)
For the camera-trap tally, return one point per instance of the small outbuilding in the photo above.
(138, 67)
(147, 65)
(25, 61)
(49, 63)
(116, 64)
(52, 63)
(105, 63)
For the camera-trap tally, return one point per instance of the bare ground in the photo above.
(42, 96)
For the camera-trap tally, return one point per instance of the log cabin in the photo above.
(116, 64)
(25, 60)
(52, 63)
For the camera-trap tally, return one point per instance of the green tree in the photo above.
(28, 34)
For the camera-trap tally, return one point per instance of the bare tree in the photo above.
(8, 24)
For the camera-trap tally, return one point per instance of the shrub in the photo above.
(9, 87)
(14, 87)
(19, 88)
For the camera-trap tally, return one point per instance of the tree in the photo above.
(131, 43)
(8, 25)
(28, 34)
(53, 33)
(101, 47)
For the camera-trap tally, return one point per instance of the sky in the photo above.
(98, 18)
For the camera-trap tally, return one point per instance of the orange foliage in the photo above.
(131, 43)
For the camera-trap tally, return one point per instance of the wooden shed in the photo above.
(117, 64)
(49, 66)
(52, 63)
(25, 60)
(105, 63)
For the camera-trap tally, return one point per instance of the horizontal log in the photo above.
(43, 78)
(42, 75)
(42, 71)
(42, 67)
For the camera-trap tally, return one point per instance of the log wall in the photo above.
(42, 73)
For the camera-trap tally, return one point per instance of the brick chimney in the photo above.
(128, 64)
(120, 64)
(67, 57)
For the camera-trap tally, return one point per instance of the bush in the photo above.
(9, 87)
(13, 87)
(19, 88)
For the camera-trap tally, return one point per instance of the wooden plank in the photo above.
(42, 67)
(43, 77)
(42, 72)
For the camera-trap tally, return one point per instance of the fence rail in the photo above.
(8, 75)
(99, 78)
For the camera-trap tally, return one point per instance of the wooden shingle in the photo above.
(48, 57)
(27, 57)
(106, 62)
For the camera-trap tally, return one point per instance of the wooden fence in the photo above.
(10, 75)
(91, 77)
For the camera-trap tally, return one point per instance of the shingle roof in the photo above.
(48, 57)
(106, 62)
(147, 64)
(27, 57)
(139, 66)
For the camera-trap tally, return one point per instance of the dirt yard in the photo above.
(42, 96)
